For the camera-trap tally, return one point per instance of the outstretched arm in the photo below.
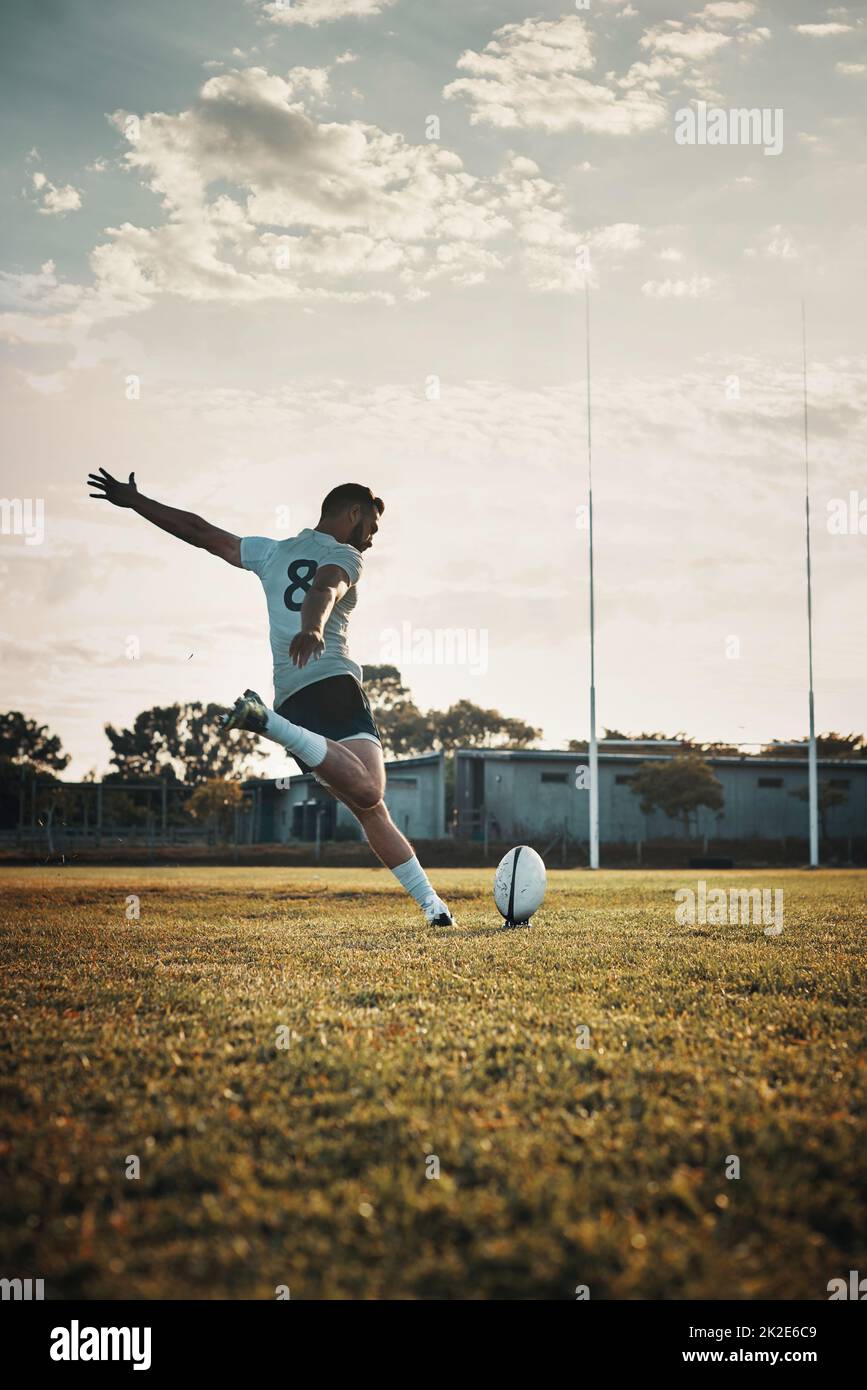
(185, 525)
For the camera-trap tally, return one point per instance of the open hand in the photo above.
(306, 646)
(108, 489)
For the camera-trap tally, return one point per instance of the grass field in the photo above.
(307, 1165)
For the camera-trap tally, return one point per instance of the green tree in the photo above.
(27, 751)
(577, 745)
(385, 688)
(406, 730)
(215, 801)
(26, 743)
(182, 743)
(830, 745)
(841, 746)
(828, 798)
(465, 725)
(678, 786)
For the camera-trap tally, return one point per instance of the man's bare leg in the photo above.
(355, 772)
(334, 763)
(383, 836)
(347, 775)
(387, 842)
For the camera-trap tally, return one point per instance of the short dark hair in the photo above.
(346, 495)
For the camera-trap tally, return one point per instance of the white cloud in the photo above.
(555, 255)
(726, 9)
(43, 309)
(822, 31)
(690, 44)
(851, 69)
(314, 12)
(778, 244)
(312, 202)
(48, 384)
(21, 294)
(530, 76)
(54, 201)
(306, 210)
(698, 287)
(754, 36)
(616, 236)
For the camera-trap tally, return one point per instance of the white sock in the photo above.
(413, 878)
(311, 748)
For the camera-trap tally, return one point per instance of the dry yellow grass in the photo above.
(307, 1165)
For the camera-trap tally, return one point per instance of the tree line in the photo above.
(183, 745)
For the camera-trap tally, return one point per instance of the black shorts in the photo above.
(335, 707)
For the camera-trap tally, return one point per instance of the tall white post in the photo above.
(594, 751)
(813, 765)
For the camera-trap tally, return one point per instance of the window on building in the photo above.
(403, 781)
(841, 782)
(622, 780)
(770, 781)
(555, 776)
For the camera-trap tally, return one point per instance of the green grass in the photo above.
(306, 1166)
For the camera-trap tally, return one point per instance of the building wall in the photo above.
(415, 796)
(536, 797)
(753, 808)
(295, 791)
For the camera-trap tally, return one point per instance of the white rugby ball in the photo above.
(519, 885)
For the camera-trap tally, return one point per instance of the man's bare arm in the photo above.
(185, 525)
(328, 587)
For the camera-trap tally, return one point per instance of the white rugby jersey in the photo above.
(286, 569)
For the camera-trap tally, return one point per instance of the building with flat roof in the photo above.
(537, 794)
(299, 808)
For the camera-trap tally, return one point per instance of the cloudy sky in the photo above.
(252, 250)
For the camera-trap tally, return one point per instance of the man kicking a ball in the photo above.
(321, 715)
